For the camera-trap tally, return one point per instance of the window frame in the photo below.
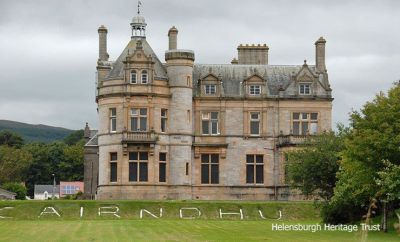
(137, 178)
(113, 161)
(305, 84)
(301, 120)
(164, 119)
(253, 89)
(131, 79)
(113, 120)
(252, 166)
(210, 89)
(139, 118)
(162, 161)
(210, 165)
(144, 77)
(207, 117)
(255, 120)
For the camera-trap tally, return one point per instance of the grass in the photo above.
(26, 226)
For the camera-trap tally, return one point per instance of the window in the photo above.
(138, 119)
(138, 166)
(305, 123)
(209, 123)
(164, 118)
(305, 89)
(255, 90)
(144, 77)
(255, 169)
(210, 89)
(113, 167)
(162, 167)
(209, 168)
(133, 77)
(113, 119)
(255, 123)
(187, 168)
(188, 81)
(70, 189)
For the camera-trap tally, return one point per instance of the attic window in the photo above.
(210, 89)
(144, 77)
(133, 77)
(305, 89)
(255, 90)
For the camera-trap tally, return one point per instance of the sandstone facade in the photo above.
(182, 130)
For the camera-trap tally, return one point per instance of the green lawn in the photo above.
(168, 230)
(25, 225)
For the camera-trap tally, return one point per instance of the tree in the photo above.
(71, 167)
(313, 168)
(11, 139)
(16, 187)
(65, 161)
(14, 164)
(389, 183)
(74, 138)
(374, 140)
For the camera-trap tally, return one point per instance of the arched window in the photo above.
(144, 77)
(133, 76)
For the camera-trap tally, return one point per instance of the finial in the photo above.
(139, 3)
(305, 62)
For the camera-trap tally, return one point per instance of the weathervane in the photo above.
(138, 6)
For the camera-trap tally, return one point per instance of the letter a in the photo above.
(51, 211)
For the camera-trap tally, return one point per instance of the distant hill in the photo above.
(35, 132)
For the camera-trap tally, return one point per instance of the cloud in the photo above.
(49, 48)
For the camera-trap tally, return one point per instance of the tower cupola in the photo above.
(138, 25)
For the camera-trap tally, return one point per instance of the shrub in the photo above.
(16, 187)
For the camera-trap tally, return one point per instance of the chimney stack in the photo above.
(253, 54)
(173, 38)
(320, 55)
(86, 132)
(103, 55)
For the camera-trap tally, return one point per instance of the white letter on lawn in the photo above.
(262, 216)
(154, 216)
(116, 209)
(52, 211)
(5, 209)
(240, 213)
(81, 212)
(190, 217)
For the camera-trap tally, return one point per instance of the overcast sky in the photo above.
(49, 49)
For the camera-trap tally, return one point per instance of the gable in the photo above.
(305, 74)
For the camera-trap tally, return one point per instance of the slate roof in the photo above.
(117, 70)
(232, 75)
(93, 141)
(3, 191)
(49, 188)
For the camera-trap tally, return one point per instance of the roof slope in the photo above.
(232, 75)
(48, 188)
(117, 70)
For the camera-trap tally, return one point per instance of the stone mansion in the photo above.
(182, 130)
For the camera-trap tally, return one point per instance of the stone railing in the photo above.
(292, 139)
(139, 137)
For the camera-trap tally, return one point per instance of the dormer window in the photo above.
(255, 90)
(133, 77)
(305, 89)
(144, 77)
(210, 89)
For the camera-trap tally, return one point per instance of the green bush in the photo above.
(16, 187)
